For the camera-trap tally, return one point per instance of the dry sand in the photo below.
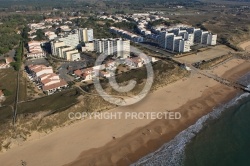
(245, 45)
(90, 142)
(211, 53)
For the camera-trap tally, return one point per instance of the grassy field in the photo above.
(8, 81)
(22, 88)
(6, 113)
(55, 103)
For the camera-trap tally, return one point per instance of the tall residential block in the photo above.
(118, 47)
(86, 35)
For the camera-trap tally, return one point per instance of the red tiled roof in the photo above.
(78, 73)
(54, 86)
(136, 59)
(9, 60)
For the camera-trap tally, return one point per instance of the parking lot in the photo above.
(41, 61)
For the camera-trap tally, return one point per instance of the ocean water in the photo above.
(221, 138)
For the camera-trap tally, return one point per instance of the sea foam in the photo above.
(173, 152)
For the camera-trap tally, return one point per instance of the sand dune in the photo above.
(245, 45)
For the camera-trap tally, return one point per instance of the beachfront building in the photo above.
(181, 39)
(203, 37)
(181, 45)
(118, 47)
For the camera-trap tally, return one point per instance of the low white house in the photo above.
(135, 62)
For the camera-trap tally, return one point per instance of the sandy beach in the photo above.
(90, 142)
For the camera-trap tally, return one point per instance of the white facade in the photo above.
(63, 49)
(88, 47)
(75, 57)
(181, 39)
(71, 40)
(86, 35)
(54, 47)
(72, 55)
(212, 39)
(118, 47)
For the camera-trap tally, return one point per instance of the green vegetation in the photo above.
(164, 73)
(39, 35)
(125, 25)
(100, 27)
(213, 62)
(55, 103)
(159, 22)
(8, 33)
(6, 92)
(18, 57)
(9, 85)
(11, 28)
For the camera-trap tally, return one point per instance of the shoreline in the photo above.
(137, 145)
(90, 139)
(140, 145)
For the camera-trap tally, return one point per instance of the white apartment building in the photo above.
(54, 47)
(70, 39)
(162, 40)
(170, 38)
(119, 47)
(86, 35)
(89, 47)
(212, 39)
(182, 45)
(62, 50)
(72, 55)
(181, 39)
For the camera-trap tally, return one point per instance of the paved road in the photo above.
(16, 101)
(156, 49)
(63, 69)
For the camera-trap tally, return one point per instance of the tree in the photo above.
(39, 35)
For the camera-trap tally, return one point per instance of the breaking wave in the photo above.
(173, 152)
